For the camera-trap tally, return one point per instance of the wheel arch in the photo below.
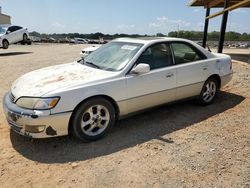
(217, 78)
(110, 99)
(5, 40)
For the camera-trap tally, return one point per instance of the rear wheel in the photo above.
(29, 42)
(93, 119)
(5, 44)
(25, 37)
(209, 91)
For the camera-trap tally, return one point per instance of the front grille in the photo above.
(12, 97)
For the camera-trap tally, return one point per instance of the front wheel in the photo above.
(5, 44)
(93, 119)
(209, 91)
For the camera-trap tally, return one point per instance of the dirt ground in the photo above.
(178, 145)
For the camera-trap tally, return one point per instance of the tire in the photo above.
(208, 92)
(25, 38)
(93, 119)
(29, 42)
(5, 44)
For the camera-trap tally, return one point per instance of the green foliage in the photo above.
(160, 35)
(192, 35)
(88, 36)
(197, 35)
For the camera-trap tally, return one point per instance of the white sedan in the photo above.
(126, 75)
(10, 34)
(89, 50)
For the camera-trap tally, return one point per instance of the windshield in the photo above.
(3, 30)
(113, 56)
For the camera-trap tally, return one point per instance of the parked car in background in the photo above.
(81, 41)
(35, 39)
(89, 50)
(243, 45)
(125, 76)
(10, 34)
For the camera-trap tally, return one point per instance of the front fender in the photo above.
(71, 98)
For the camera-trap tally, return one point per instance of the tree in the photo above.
(160, 35)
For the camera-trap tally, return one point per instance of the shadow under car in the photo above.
(129, 132)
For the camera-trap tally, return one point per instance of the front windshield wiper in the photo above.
(92, 64)
(82, 61)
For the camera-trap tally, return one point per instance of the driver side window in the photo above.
(11, 29)
(157, 56)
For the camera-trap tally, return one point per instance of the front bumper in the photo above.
(35, 123)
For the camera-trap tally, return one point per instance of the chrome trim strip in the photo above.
(61, 112)
(172, 52)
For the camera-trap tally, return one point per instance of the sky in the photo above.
(116, 16)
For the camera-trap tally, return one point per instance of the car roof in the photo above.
(152, 40)
(148, 40)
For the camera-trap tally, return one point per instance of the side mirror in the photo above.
(8, 32)
(141, 68)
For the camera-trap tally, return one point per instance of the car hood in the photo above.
(39, 82)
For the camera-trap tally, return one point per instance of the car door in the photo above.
(18, 33)
(10, 35)
(156, 87)
(191, 67)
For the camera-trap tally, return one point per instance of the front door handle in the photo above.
(169, 75)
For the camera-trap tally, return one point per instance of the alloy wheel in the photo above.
(209, 91)
(95, 120)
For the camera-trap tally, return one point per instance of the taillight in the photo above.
(231, 66)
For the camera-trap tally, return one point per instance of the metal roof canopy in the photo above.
(228, 5)
(216, 3)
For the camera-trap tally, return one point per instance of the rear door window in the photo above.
(184, 53)
(17, 28)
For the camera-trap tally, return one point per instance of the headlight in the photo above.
(37, 103)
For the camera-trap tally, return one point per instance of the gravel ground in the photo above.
(178, 145)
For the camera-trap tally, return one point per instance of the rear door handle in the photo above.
(169, 75)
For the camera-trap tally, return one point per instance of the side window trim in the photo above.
(172, 52)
